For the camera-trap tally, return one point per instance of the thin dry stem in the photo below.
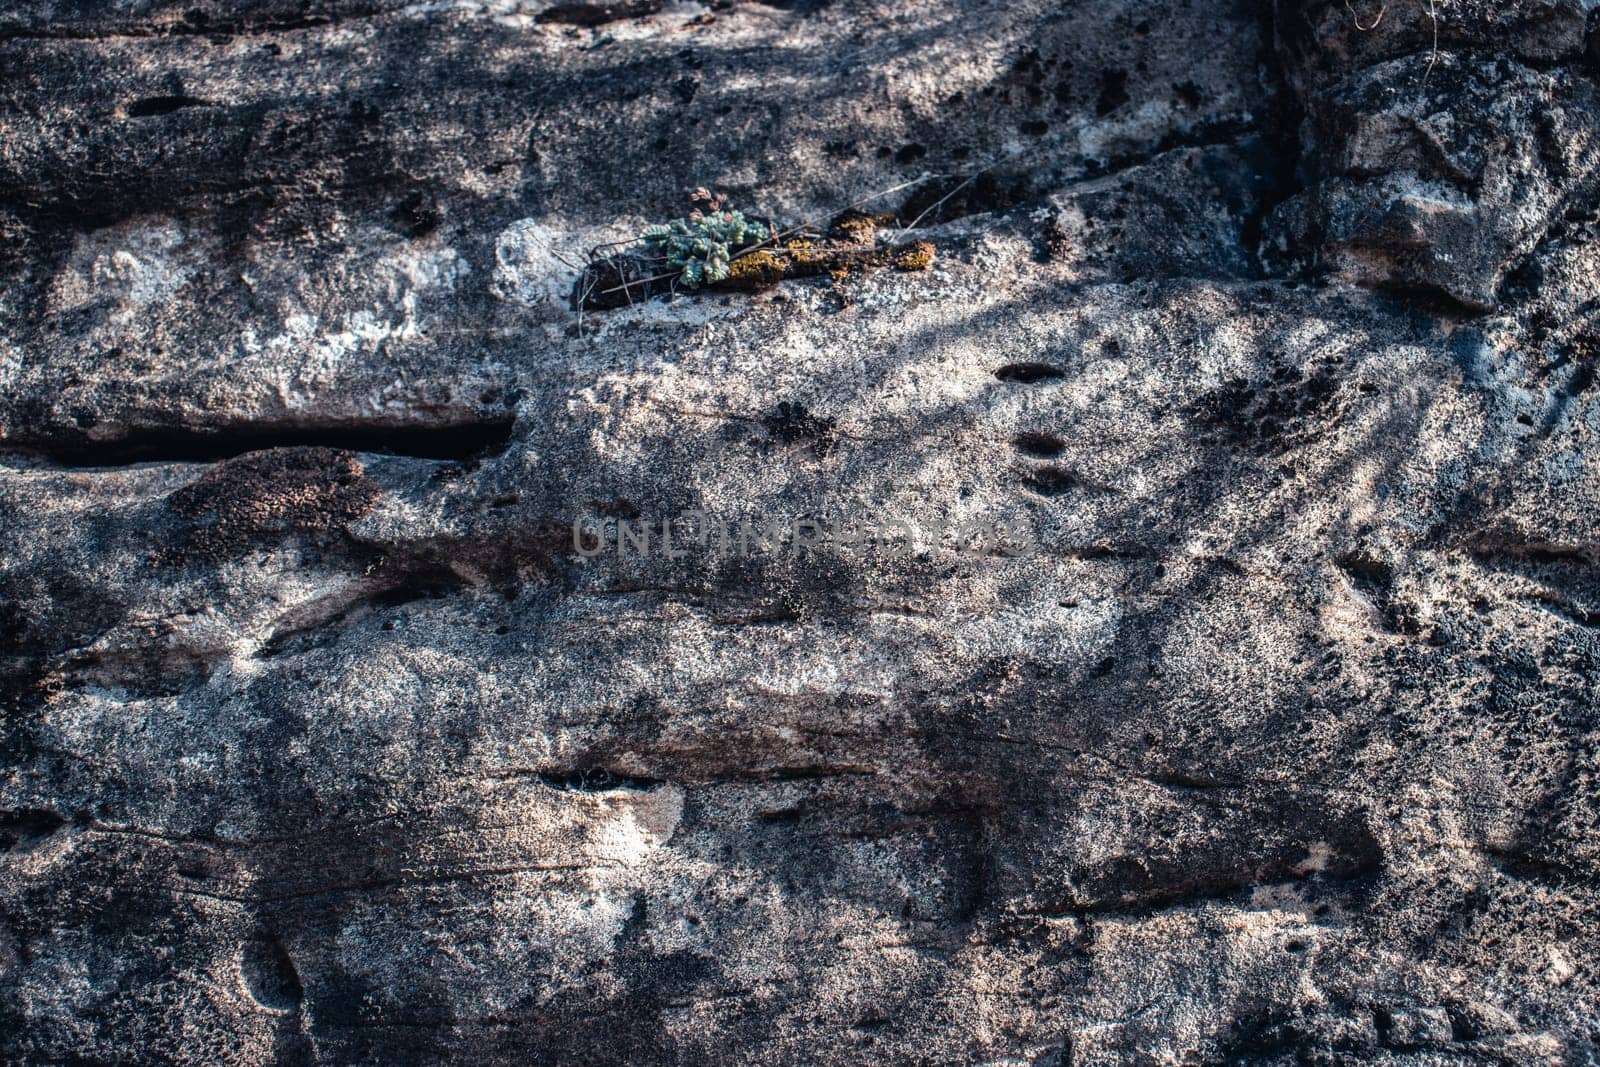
(1433, 56)
(1382, 11)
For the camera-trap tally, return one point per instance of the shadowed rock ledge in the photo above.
(1272, 327)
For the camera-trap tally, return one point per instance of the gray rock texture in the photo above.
(1260, 727)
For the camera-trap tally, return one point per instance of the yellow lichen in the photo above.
(859, 227)
(755, 270)
(918, 255)
(804, 258)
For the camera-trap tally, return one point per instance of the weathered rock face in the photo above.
(1442, 144)
(1258, 725)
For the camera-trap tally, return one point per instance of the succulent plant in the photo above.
(701, 246)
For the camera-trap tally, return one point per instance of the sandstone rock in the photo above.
(1255, 723)
(1419, 1027)
(1442, 142)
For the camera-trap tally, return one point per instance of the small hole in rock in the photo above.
(151, 106)
(1042, 445)
(269, 975)
(1028, 373)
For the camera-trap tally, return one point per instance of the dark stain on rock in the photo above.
(261, 497)
(1270, 414)
(685, 89)
(1055, 241)
(418, 214)
(954, 197)
(792, 423)
(1113, 91)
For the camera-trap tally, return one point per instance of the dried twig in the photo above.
(1433, 56)
(1382, 11)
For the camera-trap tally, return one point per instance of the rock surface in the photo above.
(1263, 731)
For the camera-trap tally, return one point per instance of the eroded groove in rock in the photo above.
(178, 444)
(78, 22)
